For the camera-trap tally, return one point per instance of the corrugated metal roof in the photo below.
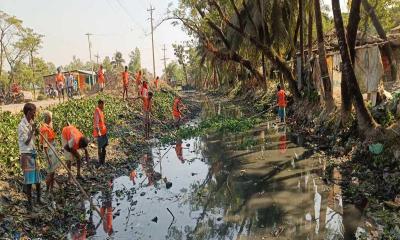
(79, 71)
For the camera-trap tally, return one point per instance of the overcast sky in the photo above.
(116, 24)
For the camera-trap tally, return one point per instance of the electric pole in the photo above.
(165, 63)
(97, 58)
(90, 54)
(152, 38)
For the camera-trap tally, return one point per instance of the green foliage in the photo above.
(175, 71)
(217, 124)
(135, 61)
(162, 105)
(80, 113)
(9, 153)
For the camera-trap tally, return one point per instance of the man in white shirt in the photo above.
(26, 142)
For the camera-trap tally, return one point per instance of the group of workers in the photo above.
(65, 85)
(73, 140)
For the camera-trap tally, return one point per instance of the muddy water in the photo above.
(261, 184)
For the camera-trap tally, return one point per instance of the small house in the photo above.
(86, 79)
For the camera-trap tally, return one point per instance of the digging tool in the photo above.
(72, 176)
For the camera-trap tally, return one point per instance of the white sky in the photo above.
(117, 24)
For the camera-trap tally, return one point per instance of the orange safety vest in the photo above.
(101, 123)
(100, 75)
(125, 78)
(175, 109)
(59, 79)
(72, 132)
(46, 130)
(146, 104)
(281, 98)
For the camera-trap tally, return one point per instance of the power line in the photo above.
(130, 16)
(152, 37)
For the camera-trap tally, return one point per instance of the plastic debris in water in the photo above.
(376, 148)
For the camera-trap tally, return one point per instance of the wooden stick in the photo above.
(72, 176)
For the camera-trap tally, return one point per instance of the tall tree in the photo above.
(75, 64)
(118, 60)
(364, 118)
(301, 17)
(326, 81)
(33, 44)
(135, 60)
(9, 27)
(352, 29)
(181, 54)
(310, 27)
(382, 34)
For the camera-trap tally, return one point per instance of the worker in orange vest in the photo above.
(144, 90)
(73, 140)
(125, 83)
(281, 104)
(60, 82)
(146, 113)
(138, 81)
(47, 139)
(156, 82)
(177, 110)
(100, 131)
(100, 78)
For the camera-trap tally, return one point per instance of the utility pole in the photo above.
(97, 58)
(90, 54)
(152, 38)
(165, 63)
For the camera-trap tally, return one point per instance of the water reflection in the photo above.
(179, 150)
(106, 209)
(217, 190)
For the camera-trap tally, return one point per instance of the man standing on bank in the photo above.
(100, 131)
(27, 150)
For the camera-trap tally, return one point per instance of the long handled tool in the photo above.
(72, 176)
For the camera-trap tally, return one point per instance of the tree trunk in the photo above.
(326, 81)
(382, 34)
(185, 72)
(364, 118)
(301, 17)
(264, 69)
(352, 27)
(310, 28)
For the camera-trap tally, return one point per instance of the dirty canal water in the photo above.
(261, 184)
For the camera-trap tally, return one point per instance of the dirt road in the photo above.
(16, 108)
